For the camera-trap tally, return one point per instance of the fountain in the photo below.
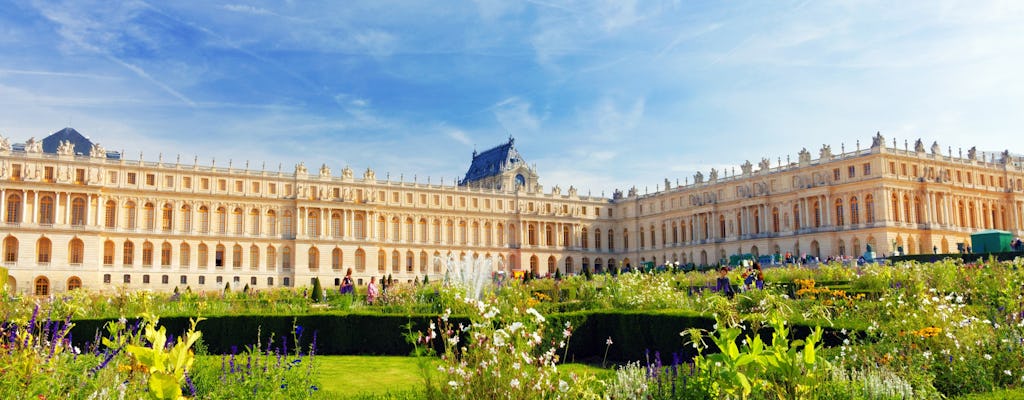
(471, 274)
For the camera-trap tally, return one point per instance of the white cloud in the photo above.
(459, 136)
(247, 9)
(377, 43)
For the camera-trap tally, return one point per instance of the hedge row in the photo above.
(965, 257)
(634, 334)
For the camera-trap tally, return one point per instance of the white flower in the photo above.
(536, 315)
(1007, 372)
(453, 384)
(563, 386)
(514, 383)
(927, 355)
(609, 341)
(987, 356)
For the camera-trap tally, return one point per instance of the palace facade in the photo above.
(75, 215)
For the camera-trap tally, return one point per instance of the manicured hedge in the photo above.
(968, 257)
(634, 333)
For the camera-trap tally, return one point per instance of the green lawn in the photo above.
(368, 376)
(1008, 394)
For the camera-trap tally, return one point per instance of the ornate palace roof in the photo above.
(492, 162)
(82, 144)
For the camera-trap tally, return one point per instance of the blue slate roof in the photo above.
(82, 144)
(492, 162)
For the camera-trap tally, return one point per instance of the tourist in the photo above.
(723, 285)
(759, 276)
(371, 290)
(748, 279)
(347, 285)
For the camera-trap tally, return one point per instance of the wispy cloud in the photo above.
(247, 9)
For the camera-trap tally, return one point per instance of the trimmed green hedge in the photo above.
(967, 257)
(634, 333)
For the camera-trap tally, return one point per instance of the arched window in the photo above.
(239, 221)
(611, 240)
(286, 257)
(336, 226)
(360, 260)
(203, 255)
(549, 235)
(236, 256)
(584, 239)
(840, 217)
(76, 251)
(531, 235)
(147, 254)
(423, 231)
(775, 219)
(625, 239)
(313, 224)
(204, 219)
(167, 218)
(409, 262)
(108, 252)
(396, 260)
(271, 258)
(854, 211)
(254, 256)
(816, 212)
(569, 268)
(222, 220)
(869, 209)
(552, 266)
(43, 250)
(358, 228)
(423, 262)
(74, 282)
(796, 218)
(184, 255)
(336, 259)
(131, 215)
(396, 230)
(449, 228)
(46, 210)
(271, 223)
(10, 249)
(219, 255)
(13, 209)
(382, 261)
(314, 259)
(110, 214)
(254, 222)
(287, 226)
(186, 218)
(165, 254)
(78, 211)
(42, 286)
(150, 216)
(409, 226)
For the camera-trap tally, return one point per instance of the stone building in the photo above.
(76, 215)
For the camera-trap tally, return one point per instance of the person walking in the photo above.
(347, 286)
(371, 291)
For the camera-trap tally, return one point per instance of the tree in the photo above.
(246, 289)
(317, 291)
(176, 290)
(227, 288)
(426, 279)
(558, 274)
(586, 272)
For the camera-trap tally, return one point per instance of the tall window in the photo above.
(796, 217)
(46, 210)
(78, 211)
(130, 214)
(286, 257)
(186, 219)
(110, 217)
(76, 251)
(357, 227)
(869, 209)
(10, 249)
(128, 253)
(237, 214)
(271, 257)
(775, 219)
(854, 211)
(336, 259)
(313, 224)
(13, 209)
(43, 250)
(204, 219)
(840, 220)
(204, 255)
(218, 256)
(222, 220)
(165, 254)
(314, 259)
(286, 224)
(147, 254)
(254, 222)
(150, 216)
(254, 257)
(336, 225)
(183, 255)
(108, 252)
(167, 218)
(817, 214)
(271, 223)
(42, 286)
(236, 256)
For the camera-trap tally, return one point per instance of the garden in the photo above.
(945, 329)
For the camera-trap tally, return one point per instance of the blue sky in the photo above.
(599, 94)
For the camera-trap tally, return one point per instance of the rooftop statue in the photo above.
(803, 156)
(878, 140)
(347, 173)
(97, 151)
(65, 148)
(972, 153)
(300, 168)
(698, 178)
(826, 152)
(919, 146)
(325, 171)
(935, 148)
(713, 175)
(764, 165)
(747, 167)
(5, 144)
(32, 146)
